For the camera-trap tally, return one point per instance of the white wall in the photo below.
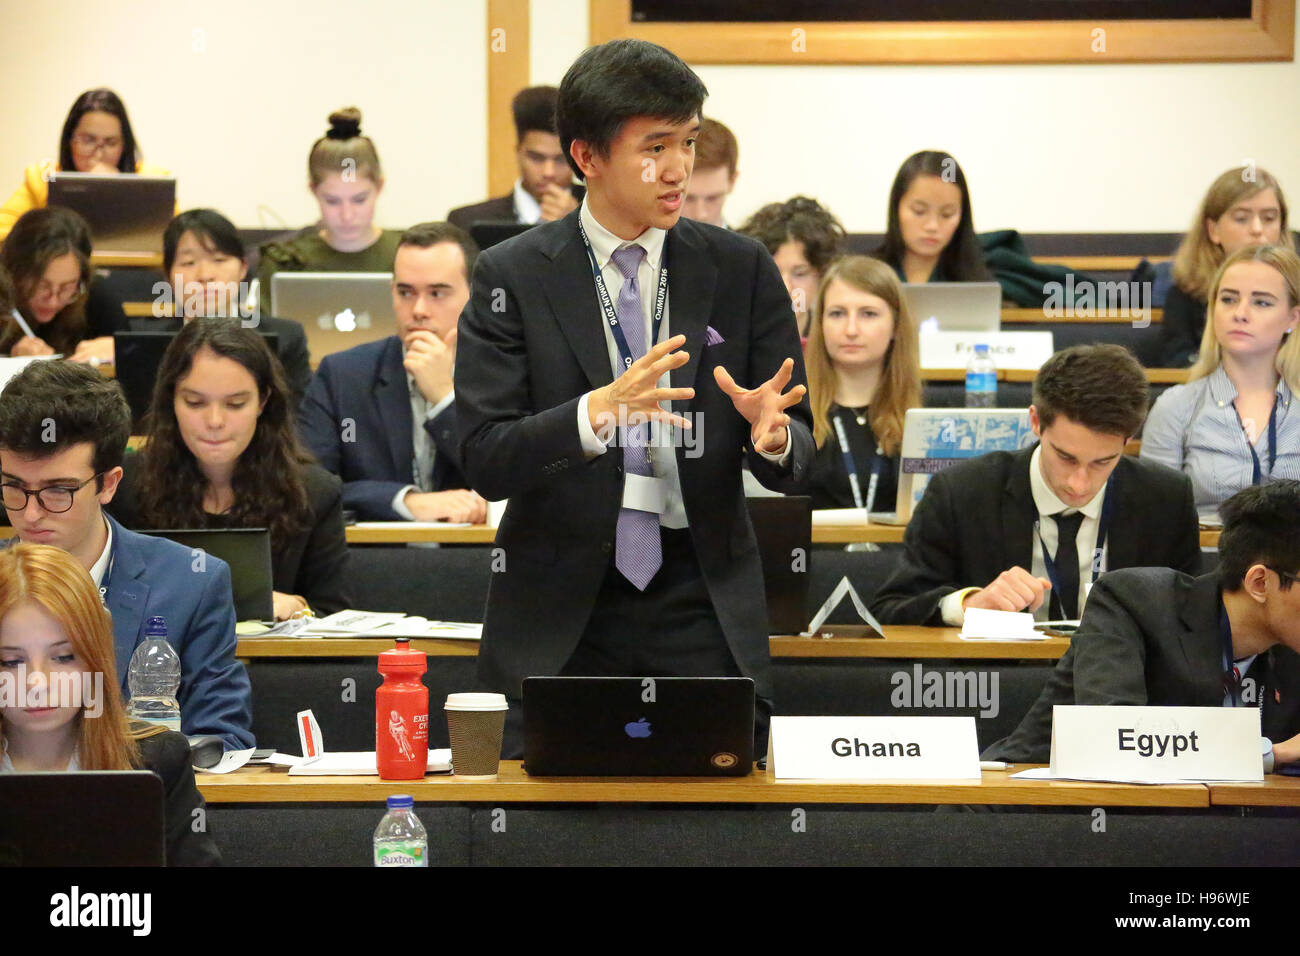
(1092, 147)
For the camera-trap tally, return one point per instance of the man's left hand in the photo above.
(764, 407)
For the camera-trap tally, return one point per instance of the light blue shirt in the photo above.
(1195, 429)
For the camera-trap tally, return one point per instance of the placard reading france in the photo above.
(873, 748)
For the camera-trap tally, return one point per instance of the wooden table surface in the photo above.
(1275, 791)
(274, 785)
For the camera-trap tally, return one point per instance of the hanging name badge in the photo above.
(644, 493)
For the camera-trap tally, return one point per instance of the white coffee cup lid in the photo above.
(476, 702)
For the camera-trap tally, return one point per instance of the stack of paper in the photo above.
(982, 625)
(360, 763)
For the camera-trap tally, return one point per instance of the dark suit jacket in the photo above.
(501, 209)
(168, 755)
(1150, 636)
(367, 384)
(520, 372)
(291, 347)
(976, 520)
(312, 564)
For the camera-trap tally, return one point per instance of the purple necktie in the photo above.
(638, 552)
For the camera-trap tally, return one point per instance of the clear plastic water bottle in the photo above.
(154, 677)
(400, 838)
(981, 380)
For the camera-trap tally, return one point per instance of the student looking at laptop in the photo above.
(222, 452)
(1031, 530)
(382, 416)
(52, 623)
(63, 432)
(863, 375)
(96, 138)
(930, 235)
(344, 175)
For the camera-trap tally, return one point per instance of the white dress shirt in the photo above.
(527, 209)
(422, 445)
(100, 567)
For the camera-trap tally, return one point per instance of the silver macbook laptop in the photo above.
(126, 213)
(337, 309)
(955, 306)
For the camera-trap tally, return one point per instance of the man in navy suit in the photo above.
(637, 559)
(382, 416)
(63, 433)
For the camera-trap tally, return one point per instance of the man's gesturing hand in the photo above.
(764, 407)
(635, 395)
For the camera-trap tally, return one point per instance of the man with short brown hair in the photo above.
(714, 176)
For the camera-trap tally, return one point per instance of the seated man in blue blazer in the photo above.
(382, 416)
(63, 433)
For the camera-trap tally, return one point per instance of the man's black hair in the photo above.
(612, 83)
(426, 234)
(1261, 525)
(212, 229)
(52, 405)
(534, 110)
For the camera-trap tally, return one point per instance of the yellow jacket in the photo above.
(35, 192)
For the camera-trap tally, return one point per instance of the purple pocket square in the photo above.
(711, 336)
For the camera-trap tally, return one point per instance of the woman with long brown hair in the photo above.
(863, 363)
(56, 652)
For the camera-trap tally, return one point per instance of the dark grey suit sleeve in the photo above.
(1185, 543)
(1109, 650)
(930, 568)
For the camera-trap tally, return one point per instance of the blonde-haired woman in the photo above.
(1233, 425)
(1243, 207)
(344, 174)
(55, 633)
(863, 375)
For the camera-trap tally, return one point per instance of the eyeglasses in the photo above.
(64, 293)
(85, 143)
(54, 499)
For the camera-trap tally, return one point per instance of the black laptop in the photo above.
(89, 818)
(639, 726)
(248, 552)
(783, 527)
(136, 358)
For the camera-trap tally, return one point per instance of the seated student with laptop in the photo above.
(63, 432)
(1031, 530)
(52, 623)
(96, 138)
(382, 416)
(204, 258)
(64, 308)
(345, 177)
(804, 238)
(1231, 424)
(1157, 636)
(863, 375)
(930, 235)
(222, 452)
(544, 190)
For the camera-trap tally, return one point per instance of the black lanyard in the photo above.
(1272, 443)
(607, 304)
(851, 467)
(1103, 525)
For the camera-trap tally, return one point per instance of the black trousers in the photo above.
(668, 630)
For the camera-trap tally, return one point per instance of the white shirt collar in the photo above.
(527, 208)
(1046, 501)
(1224, 392)
(98, 569)
(604, 243)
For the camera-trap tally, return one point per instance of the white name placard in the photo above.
(873, 748)
(1020, 350)
(1156, 744)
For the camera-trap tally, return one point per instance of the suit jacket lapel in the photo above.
(571, 291)
(127, 594)
(692, 277)
(393, 398)
(1018, 513)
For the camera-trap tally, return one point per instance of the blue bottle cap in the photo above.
(401, 802)
(155, 627)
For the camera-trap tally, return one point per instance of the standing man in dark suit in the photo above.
(382, 416)
(1032, 530)
(629, 560)
(1154, 636)
(544, 190)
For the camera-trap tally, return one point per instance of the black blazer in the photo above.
(829, 484)
(367, 385)
(1181, 328)
(976, 520)
(501, 209)
(1150, 636)
(168, 756)
(291, 347)
(521, 369)
(314, 563)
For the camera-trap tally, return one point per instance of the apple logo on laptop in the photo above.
(637, 728)
(345, 321)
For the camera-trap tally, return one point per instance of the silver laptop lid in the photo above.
(955, 306)
(338, 310)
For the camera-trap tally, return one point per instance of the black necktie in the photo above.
(1066, 603)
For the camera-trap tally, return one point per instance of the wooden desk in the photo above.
(1155, 376)
(274, 785)
(1275, 791)
(126, 260)
(1099, 263)
(1016, 316)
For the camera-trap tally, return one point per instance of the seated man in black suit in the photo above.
(988, 533)
(544, 190)
(382, 416)
(1153, 636)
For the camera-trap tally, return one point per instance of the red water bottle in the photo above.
(402, 714)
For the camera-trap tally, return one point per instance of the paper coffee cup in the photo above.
(475, 724)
